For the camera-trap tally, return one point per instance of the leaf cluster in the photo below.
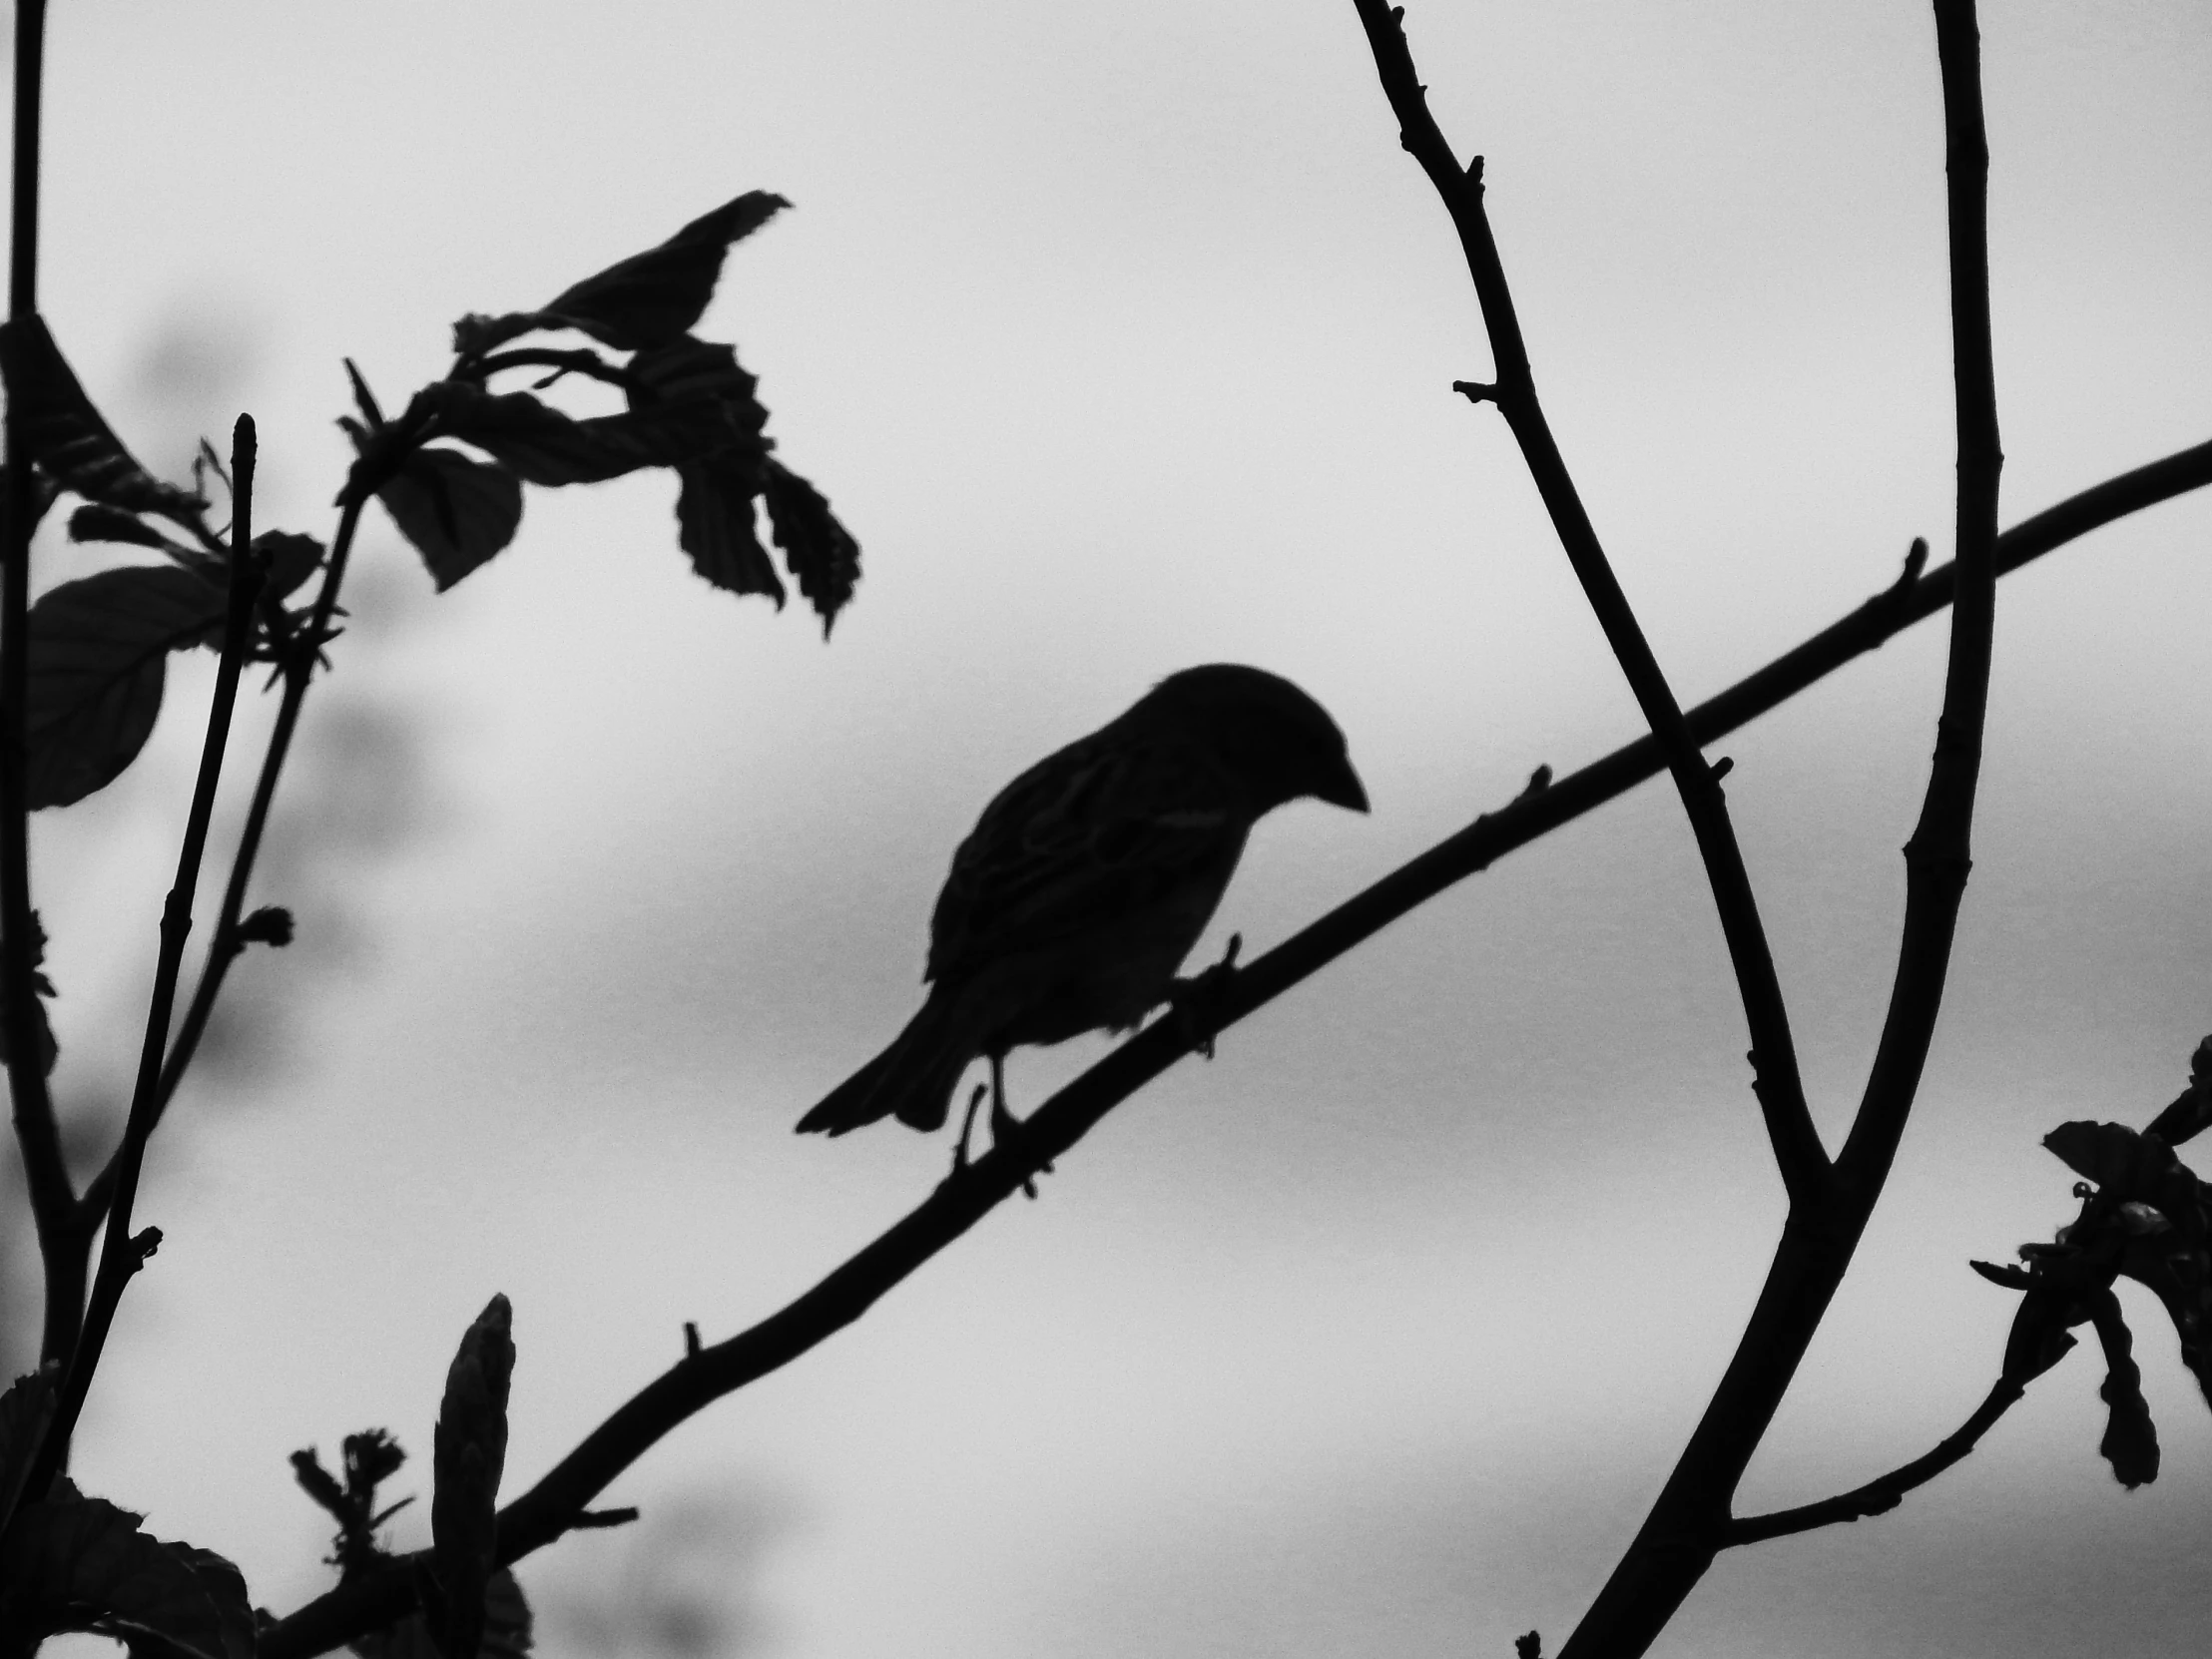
(2145, 1216)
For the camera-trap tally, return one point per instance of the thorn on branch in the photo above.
(1474, 171)
(691, 1339)
(1539, 781)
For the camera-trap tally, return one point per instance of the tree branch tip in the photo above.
(1539, 781)
(691, 1347)
(1722, 768)
(594, 1520)
(1474, 171)
(142, 1244)
(1475, 391)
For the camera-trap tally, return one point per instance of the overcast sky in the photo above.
(1122, 336)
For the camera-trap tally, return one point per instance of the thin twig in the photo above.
(1879, 1497)
(120, 1254)
(223, 946)
(1776, 1081)
(45, 1170)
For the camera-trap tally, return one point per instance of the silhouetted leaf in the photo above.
(65, 434)
(49, 1049)
(821, 553)
(469, 1454)
(25, 1411)
(541, 445)
(644, 300)
(2189, 1115)
(715, 514)
(458, 512)
(95, 522)
(2126, 1165)
(508, 1632)
(2131, 1442)
(98, 647)
(82, 1564)
(715, 524)
(291, 560)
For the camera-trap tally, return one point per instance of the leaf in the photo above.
(469, 1457)
(2125, 1165)
(541, 445)
(25, 1411)
(644, 300)
(458, 512)
(98, 647)
(2131, 1442)
(82, 1564)
(49, 1049)
(95, 522)
(821, 553)
(507, 1628)
(715, 524)
(291, 559)
(65, 437)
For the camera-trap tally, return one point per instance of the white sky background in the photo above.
(1121, 335)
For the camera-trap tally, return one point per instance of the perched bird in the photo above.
(1087, 880)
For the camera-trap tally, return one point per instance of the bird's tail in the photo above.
(911, 1080)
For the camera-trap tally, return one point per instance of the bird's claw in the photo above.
(1195, 1003)
(1008, 1131)
(967, 1125)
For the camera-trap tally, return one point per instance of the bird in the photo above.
(1087, 880)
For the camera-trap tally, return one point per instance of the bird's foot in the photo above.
(968, 1126)
(1008, 1131)
(1195, 1003)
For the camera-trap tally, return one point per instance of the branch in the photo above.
(1775, 1078)
(706, 1374)
(223, 946)
(1689, 1522)
(45, 1170)
(1938, 855)
(1880, 1497)
(122, 1254)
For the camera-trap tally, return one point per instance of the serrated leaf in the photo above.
(2131, 1442)
(644, 300)
(83, 1566)
(821, 553)
(456, 512)
(541, 445)
(716, 526)
(98, 650)
(507, 1628)
(65, 434)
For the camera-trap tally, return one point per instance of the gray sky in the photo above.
(1121, 335)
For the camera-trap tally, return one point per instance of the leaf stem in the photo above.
(122, 1254)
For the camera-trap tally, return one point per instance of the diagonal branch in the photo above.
(1879, 1497)
(547, 1509)
(1775, 1077)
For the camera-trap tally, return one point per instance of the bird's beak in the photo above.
(1342, 788)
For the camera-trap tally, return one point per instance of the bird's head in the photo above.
(1271, 735)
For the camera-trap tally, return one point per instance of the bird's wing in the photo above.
(1111, 824)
